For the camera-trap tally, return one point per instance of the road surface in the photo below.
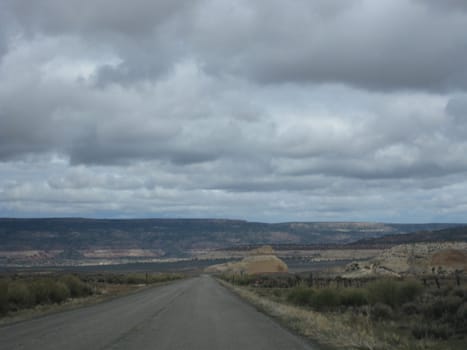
(196, 313)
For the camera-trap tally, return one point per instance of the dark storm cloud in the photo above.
(3, 29)
(141, 32)
(93, 151)
(3, 44)
(386, 45)
(448, 5)
(107, 17)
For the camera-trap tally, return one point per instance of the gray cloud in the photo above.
(457, 108)
(147, 188)
(314, 110)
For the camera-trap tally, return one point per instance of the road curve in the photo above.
(196, 313)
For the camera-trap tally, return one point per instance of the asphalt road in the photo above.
(192, 314)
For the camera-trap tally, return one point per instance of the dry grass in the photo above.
(337, 330)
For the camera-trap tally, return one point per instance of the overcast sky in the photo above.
(262, 110)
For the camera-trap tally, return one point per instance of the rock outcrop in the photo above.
(416, 258)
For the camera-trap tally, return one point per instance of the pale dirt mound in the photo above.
(263, 264)
(251, 265)
(264, 250)
(261, 260)
(453, 258)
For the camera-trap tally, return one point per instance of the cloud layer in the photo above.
(314, 110)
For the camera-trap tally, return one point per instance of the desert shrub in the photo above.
(409, 291)
(410, 308)
(436, 331)
(442, 307)
(262, 292)
(451, 303)
(443, 292)
(76, 287)
(380, 311)
(49, 291)
(118, 279)
(20, 295)
(393, 293)
(384, 292)
(142, 278)
(441, 331)
(159, 278)
(434, 310)
(41, 290)
(420, 331)
(164, 277)
(328, 298)
(461, 314)
(301, 296)
(277, 292)
(353, 297)
(242, 280)
(136, 279)
(459, 292)
(325, 299)
(3, 296)
(59, 292)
